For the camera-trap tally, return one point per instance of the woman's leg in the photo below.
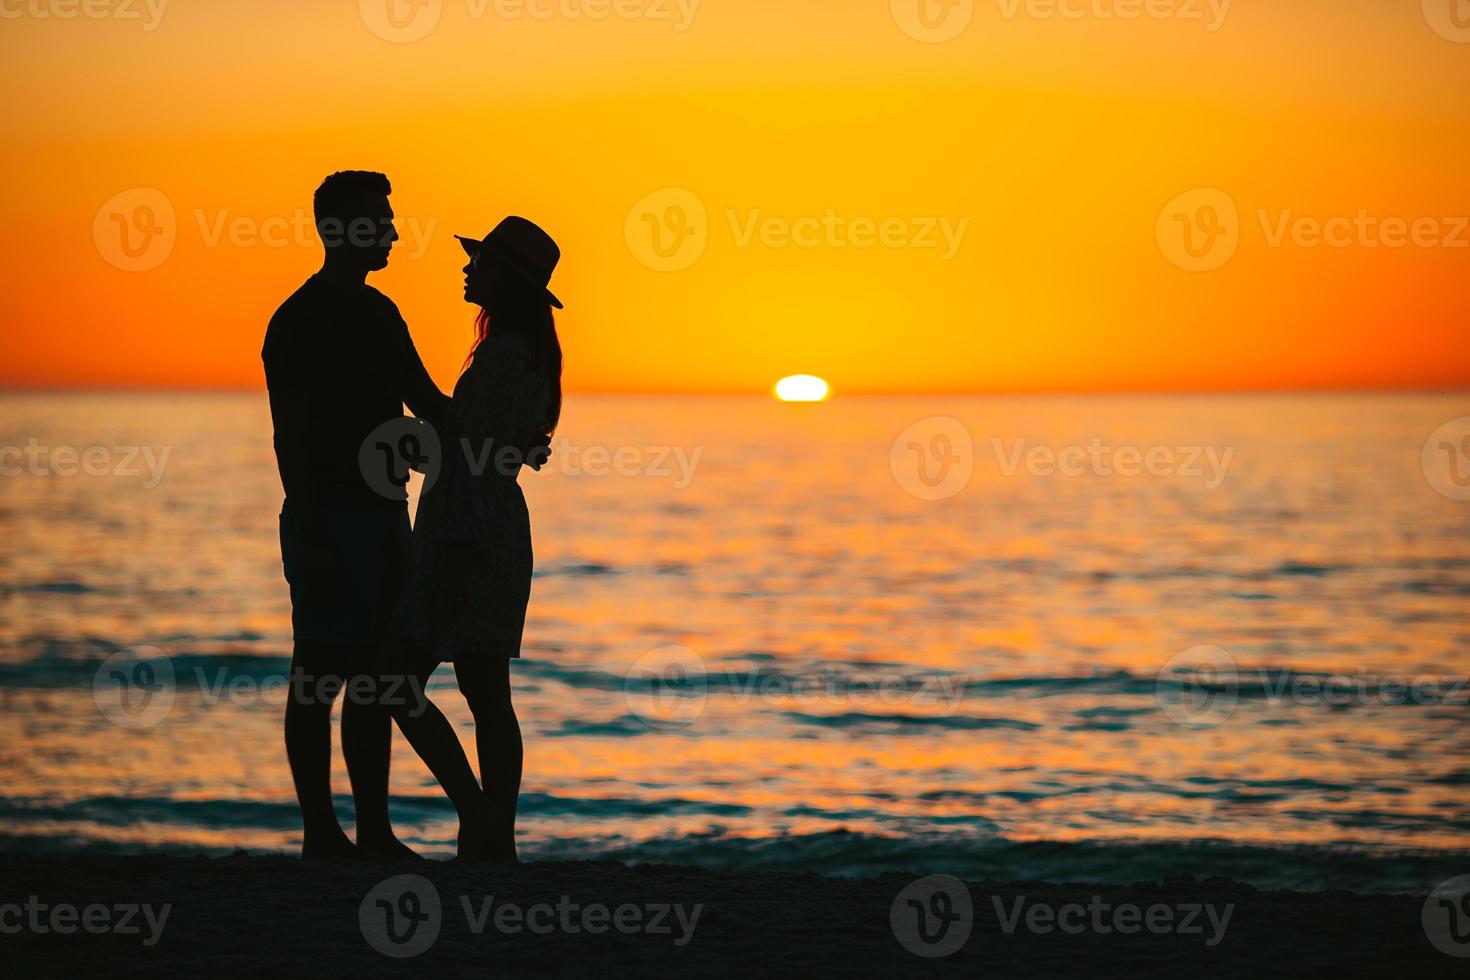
(433, 737)
(485, 683)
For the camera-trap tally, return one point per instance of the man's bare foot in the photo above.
(386, 850)
(482, 837)
(328, 847)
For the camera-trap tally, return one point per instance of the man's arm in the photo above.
(288, 383)
(291, 413)
(420, 394)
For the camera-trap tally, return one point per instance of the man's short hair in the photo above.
(341, 195)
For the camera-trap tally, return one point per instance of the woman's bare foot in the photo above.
(386, 850)
(506, 844)
(482, 835)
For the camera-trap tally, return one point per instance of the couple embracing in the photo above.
(373, 603)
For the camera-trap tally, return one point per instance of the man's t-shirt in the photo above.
(350, 351)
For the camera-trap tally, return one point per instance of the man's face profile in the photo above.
(367, 235)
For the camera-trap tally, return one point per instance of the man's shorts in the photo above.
(370, 551)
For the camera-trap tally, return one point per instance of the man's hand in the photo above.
(539, 455)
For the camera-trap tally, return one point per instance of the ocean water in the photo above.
(1227, 636)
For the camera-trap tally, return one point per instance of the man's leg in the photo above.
(367, 723)
(367, 744)
(309, 747)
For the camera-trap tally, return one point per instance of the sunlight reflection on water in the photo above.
(983, 664)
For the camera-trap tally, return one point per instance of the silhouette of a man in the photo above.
(339, 362)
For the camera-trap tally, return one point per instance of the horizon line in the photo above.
(766, 392)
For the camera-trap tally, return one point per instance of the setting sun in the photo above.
(802, 388)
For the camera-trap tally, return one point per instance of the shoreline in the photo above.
(244, 915)
(1341, 865)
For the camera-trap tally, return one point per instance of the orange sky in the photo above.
(1048, 147)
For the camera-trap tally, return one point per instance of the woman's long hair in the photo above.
(526, 314)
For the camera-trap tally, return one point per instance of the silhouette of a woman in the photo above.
(465, 601)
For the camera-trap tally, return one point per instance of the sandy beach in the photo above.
(252, 916)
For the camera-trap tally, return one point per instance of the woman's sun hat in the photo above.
(522, 246)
